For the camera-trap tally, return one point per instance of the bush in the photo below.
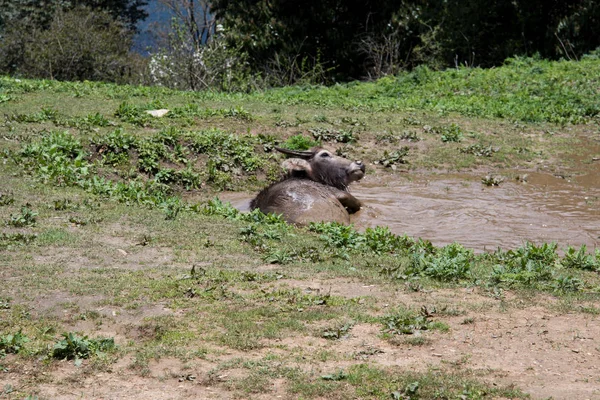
(186, 66)
(79, 44)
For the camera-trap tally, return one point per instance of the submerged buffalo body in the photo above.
(314, 189)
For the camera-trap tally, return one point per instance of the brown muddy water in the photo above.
(460, 208)
(446, 208)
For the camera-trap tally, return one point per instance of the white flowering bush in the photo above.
(212, 65)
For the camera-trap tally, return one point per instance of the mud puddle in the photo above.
(446, 208)
(459, 208)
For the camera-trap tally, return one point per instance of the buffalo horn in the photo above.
(301, 154)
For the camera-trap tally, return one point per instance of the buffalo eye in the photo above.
(325, 154)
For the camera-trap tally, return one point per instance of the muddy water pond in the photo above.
(460, 208)
(446, 208)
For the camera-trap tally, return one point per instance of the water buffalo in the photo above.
(315, 188)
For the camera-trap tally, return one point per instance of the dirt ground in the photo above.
(546, 353)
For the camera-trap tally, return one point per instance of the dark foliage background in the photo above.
(246, 44)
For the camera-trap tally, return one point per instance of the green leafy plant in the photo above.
(567, 284)
(337, 332)
(492, 180)
(393, 158)
(73, 346)
(381, 240)
(479, 150)
(333, 135)
(97, 119)
(114, 147)
(58, 157)
(300, 142)
(10, 239)
(337, 235)
(133, 114)
(580, 259)
(6, 199)
(409, 392)
(338, 376)
(238, 113)
(450, 263)
(409, 136)
(278, 256)
(530, 265)
(449, 133)
(12, 343)
(27, 217)
(406, 322)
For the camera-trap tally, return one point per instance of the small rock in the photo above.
(122, 251)
(158, 113)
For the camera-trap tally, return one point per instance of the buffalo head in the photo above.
(321, 165)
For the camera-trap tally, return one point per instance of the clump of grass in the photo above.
(333, 135)
(337, 332)
(580, 259)
(11, 239)
(300, 142)
(529, 266)
(390, 159)
(492, 180)
(133, 114)
(449, 133)
(12, 343)
(407, 322)
(479, 150)
(6, 198)
(27, 217)
(451, 263)
(114, 148)
(390, 137)
(73, 346)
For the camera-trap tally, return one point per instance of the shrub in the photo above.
(187, 66)
(79, 44)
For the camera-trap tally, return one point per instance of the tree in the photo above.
(324, 31)
(79, 44)
(375, 37)
(25, 24)
(195, 17)
(40, 12)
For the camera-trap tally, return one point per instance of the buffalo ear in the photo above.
(302, 154)
(296, 167)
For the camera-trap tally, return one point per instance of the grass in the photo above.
(523, 89)
(114, 246)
